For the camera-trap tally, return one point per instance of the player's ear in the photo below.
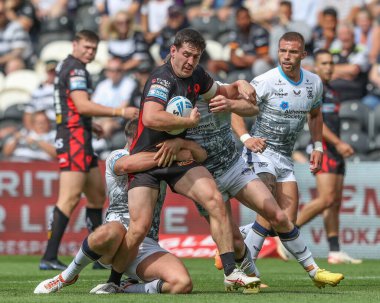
(172, 50)
(304, 54)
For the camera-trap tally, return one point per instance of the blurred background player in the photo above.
(330, 178)
(78, 164)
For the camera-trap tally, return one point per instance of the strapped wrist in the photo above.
(245, 137)
(318, 146)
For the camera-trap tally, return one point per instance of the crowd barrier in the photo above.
(28, 192)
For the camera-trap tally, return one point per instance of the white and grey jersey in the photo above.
(214, 134)
(118, 193)
(284, 105)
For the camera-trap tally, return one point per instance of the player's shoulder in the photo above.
(310, 77)
(162, 76)
(116, 155)
(73, 67)
(267, 76)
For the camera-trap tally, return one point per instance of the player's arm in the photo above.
(173, 149)
(241, 131)
(88, 108)
(135, 163)
(241, 107)
(342, 147)
(155, 117)
(315, 121)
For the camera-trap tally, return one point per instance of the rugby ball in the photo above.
(179, 106)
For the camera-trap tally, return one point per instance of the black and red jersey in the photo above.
(330, 111)
(71, 75)
(162, 86)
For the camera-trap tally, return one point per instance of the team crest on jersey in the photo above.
(297, 93)
(247, 171)
(310, 94)
(284, 105)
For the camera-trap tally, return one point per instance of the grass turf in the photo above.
(19, 276)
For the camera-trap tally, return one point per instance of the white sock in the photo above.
(152, 287)
(248, 265)
(80, 261)
(294, 243)
(244, 230)
(254, 242)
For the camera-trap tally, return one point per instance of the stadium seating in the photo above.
(86, 16)
(354, 112)
(358, 140)
(22, 79)
(9, 97)
(56, 50)
(214, 49)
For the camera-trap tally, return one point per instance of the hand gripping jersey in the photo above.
(284, 105)
(118, 193)
(214, 134)
(161, 86)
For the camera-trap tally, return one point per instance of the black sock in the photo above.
(244, 256)
(93, 218)
(228, 261)
(88, 252)
(334, 243)
(57, 225)
(115, 277)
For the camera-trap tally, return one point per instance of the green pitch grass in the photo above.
(19, 275)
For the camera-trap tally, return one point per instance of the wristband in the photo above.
(318, 146)
(245, 137)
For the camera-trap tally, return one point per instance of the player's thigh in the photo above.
(141, 203)
(94, 188)
(287, 198)
(71, 184)
(255, 195)
(198, 185)
(162, 265)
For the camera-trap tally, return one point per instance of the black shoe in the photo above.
(97, 265)
(52, 265)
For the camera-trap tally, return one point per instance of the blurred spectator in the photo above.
(177, 20)
(372, 99)
(325, 33)
(13, 64)
(50, 9)
(249, 45)
(24, 13)
(126, 43)
(154, 14)
(14, 41)
(109, 8)
(264, 12)
(346, 9)
(306, 11)
(141, 76)
(33, 145)
(374, 51)
(363, 28)
(351, 64)
(115, 91)
(285, 23)
(42, 97)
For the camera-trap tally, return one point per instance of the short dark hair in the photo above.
(191, 36)
(241, 9)
(130, 129)
(286, 3)
(330, 11)
(88, 35)
(293, 36)
(319, 52)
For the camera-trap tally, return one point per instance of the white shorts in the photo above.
(148, 246)
(271, 162)
(232, 181)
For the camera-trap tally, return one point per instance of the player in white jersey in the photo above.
(286, 96)
(162, 271)
(235, 179)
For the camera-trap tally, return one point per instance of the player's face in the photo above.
(84, 50)
(185, 59)
(324, 66)
(290, 54)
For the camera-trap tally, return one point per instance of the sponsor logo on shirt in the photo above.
(297, 93)
(162, 82)
(78, 83)
(159, 92)
(280, 82)
(284, 105)
(310, 94)
(280, 93)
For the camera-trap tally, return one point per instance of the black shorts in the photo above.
(332, 163)
(74, 150)
(153, 177)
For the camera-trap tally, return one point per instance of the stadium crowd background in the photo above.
(242, 37)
